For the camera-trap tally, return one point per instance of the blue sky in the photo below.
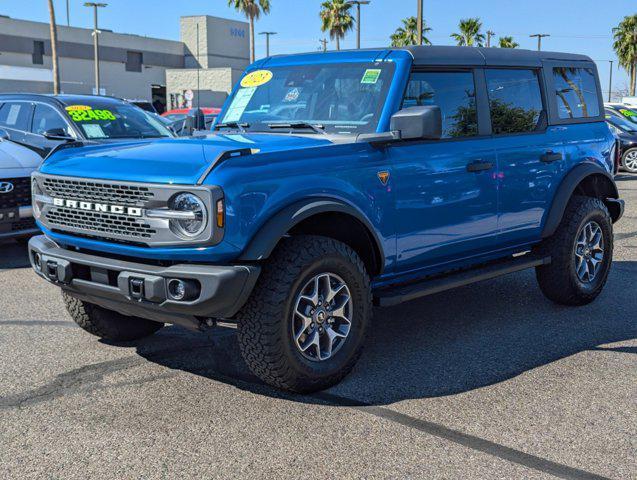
(581, 26)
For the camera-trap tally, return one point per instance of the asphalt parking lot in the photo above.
(488, 381)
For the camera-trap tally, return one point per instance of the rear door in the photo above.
(530, 155)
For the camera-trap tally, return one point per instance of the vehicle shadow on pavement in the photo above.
(13, 255)
(446, 344)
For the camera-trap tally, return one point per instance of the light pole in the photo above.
(358, 4)
(490, 34)
(96, 51)
(539, 36)
(419, 27)
(267, 41)
(610, 81)
(324, 44)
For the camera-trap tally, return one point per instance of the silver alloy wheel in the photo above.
(322, 317)
(589, 252)
(630, 160)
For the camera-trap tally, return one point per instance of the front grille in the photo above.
(111, 193)
(20, 196)
(100, 222)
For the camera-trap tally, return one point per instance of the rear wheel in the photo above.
(629, 160)
(581, 253)
(304, 326)
(107, 324)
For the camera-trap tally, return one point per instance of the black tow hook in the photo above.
(136, 288)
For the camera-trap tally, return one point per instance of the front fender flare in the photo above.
(268, 236)
(609, 195)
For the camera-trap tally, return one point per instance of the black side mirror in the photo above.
(4, 135)
(416, 123)
(58, 134)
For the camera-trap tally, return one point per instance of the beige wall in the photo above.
(215, 83)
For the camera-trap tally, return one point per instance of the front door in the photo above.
(446, 190)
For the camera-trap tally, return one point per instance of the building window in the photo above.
(38, 52)
(134, 61)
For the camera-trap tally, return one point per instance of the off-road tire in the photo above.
(107, 324)
(623, 162)
(264, 323)
(558, 280)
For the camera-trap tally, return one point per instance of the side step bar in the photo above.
(404, 293)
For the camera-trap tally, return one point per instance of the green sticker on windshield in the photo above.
(371, 76)
(628, 113)
(83, 113)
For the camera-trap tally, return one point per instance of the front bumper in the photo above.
(17, 222)
(140, 290)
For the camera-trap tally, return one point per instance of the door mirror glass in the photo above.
(418, 123)
(57, 134)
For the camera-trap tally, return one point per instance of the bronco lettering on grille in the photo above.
(98, 207)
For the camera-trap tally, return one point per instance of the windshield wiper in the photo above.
(236, 125)
(299, 125)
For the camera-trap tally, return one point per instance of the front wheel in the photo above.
(581, 253)
(304, 326)
(629, 160)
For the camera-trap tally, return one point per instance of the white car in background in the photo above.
(16, 164)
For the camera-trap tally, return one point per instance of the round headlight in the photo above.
(191, 227)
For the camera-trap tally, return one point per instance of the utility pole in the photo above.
(539, 36)
(267, 41)
(419, 27)
(324, 44)
(490, 33)
(96, 46)
(358, 4)
(610, 81)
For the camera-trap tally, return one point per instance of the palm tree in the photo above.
(252, 10)
(336, 19)
(508, 42)
(54, 49)
(408, 33)
(470, 34)
(625, 45)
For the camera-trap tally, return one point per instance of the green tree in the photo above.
(408, 33)
(470, 34)
(507, 42)
(54, 48)
(625, 46)
(252, 9)
(336, 19)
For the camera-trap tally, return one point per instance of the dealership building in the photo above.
(204, 64)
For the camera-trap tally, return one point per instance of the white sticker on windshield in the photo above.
(93, 130)
(239, 104)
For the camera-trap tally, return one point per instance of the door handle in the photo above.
(479, 166)
(551, 156)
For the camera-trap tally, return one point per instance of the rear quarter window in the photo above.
(575, 92)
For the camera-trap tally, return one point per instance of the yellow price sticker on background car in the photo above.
(82, 113)
(256, 79)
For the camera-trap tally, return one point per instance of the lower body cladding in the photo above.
(182, 294)
(17, 222)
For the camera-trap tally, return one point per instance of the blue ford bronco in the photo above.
(334, 182)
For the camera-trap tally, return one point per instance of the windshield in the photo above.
(110, 120)
(342, 98)
(623, 123)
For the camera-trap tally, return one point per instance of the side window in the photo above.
(576, 92)
(515, 100)
(46, 118)
(15, 115)
(453, 92)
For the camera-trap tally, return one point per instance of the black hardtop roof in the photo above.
(64, 99)
(477, 56)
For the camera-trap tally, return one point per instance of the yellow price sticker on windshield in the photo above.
(87, 114)
(77, 108)
(256, 79)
